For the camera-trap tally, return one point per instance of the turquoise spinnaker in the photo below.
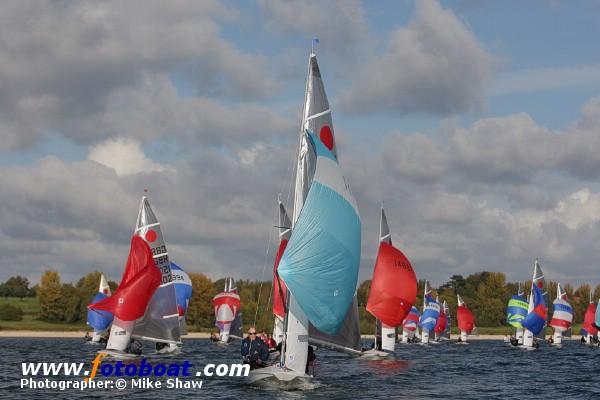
(321, 261)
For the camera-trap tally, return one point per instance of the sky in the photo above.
(476, 122)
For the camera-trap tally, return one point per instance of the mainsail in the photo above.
(226, 305)
(279, 288)
(98, 319)
(160, 323)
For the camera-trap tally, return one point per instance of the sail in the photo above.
(562, 316)
(465, 319)
(347, 337)
(430, 315)
(279, 288)
(448, 319)
(412, 319)
(597, 318)
(394, 286)
(589, 319)
(237, 326)
(320, 263)
(426, 294)
(140, 281)
(98, 319)
(536, 319)
(160, 323)
(226, 305)
(183, 294)
(516, 311)
(440, 325)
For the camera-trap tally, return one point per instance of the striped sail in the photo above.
(412, 319)
(516, 311)
(160, 323)
(562, 316)
(320, 263)
(98, 319)
(430, 315)
(226, 306)
(183, 294)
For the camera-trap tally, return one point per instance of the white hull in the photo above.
(376, 355)
(275, 377)
(424, 336)
(118, 355)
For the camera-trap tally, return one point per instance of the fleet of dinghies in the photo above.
(315, 275)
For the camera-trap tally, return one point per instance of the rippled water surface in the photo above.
(482, 370)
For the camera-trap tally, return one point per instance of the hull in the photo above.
(275, 377)
(118, 355)
(376, 355)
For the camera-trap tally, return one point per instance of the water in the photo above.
(484, 369)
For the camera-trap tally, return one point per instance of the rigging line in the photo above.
(262, 278)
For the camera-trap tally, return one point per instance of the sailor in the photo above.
(135, 347)
(214, 337)
(160, 346)
(87, 337)
(254, 351)
(271, 343)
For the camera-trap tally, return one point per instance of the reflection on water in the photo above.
(481, 370)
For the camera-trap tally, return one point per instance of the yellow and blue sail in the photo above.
(320, 263)
(516, 311)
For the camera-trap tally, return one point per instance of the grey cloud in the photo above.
(62, 61)
(434, 65)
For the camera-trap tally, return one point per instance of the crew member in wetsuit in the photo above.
(135, 347)
(87, 337)
(254, 351)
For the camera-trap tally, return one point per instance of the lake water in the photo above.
(485, 369)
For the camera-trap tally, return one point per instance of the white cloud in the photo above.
(125, 156)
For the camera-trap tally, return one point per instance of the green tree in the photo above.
(9, 312)
(17, 286)
(200, 309)
(87, 288)
(69, 303)
(49, 294)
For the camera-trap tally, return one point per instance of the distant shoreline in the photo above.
(191, 335)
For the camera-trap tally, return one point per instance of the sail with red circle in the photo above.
(394, 285)
(140, 280)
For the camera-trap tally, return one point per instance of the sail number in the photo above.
(159, 250)
(401, 264)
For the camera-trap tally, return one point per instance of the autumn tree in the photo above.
(49, 294)
(200, 309)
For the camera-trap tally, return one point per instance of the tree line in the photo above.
(485, 293)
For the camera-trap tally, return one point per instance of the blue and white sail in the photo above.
(100, 320)
(321, 261)
(183, 294)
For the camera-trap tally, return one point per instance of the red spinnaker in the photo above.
(394, 286)
(279, 288)
(465, 319)
(440, 325)
(139, 282)
(589, 318)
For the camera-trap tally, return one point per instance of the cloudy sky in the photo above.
(477, 122)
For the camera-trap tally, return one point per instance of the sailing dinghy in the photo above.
(537, 312)
(183, 294)
(589, 319)
(430, 315)
(320, 263)
(515, 314)
(465, 320)
(409, 325)
(562, 316)
(98, 319)
(227, 307)
(159, 319)
(393, 288)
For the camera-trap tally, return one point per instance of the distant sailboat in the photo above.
(465, 320)
(183, 294)
(393, 288)
(535, 321)
(516, 312)
(227, 307)
(409, 326)
(441, 324)
(98, 319)
(562, 316)
(588, 322)
(320, 263)
(430, 315)
(279, 288)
